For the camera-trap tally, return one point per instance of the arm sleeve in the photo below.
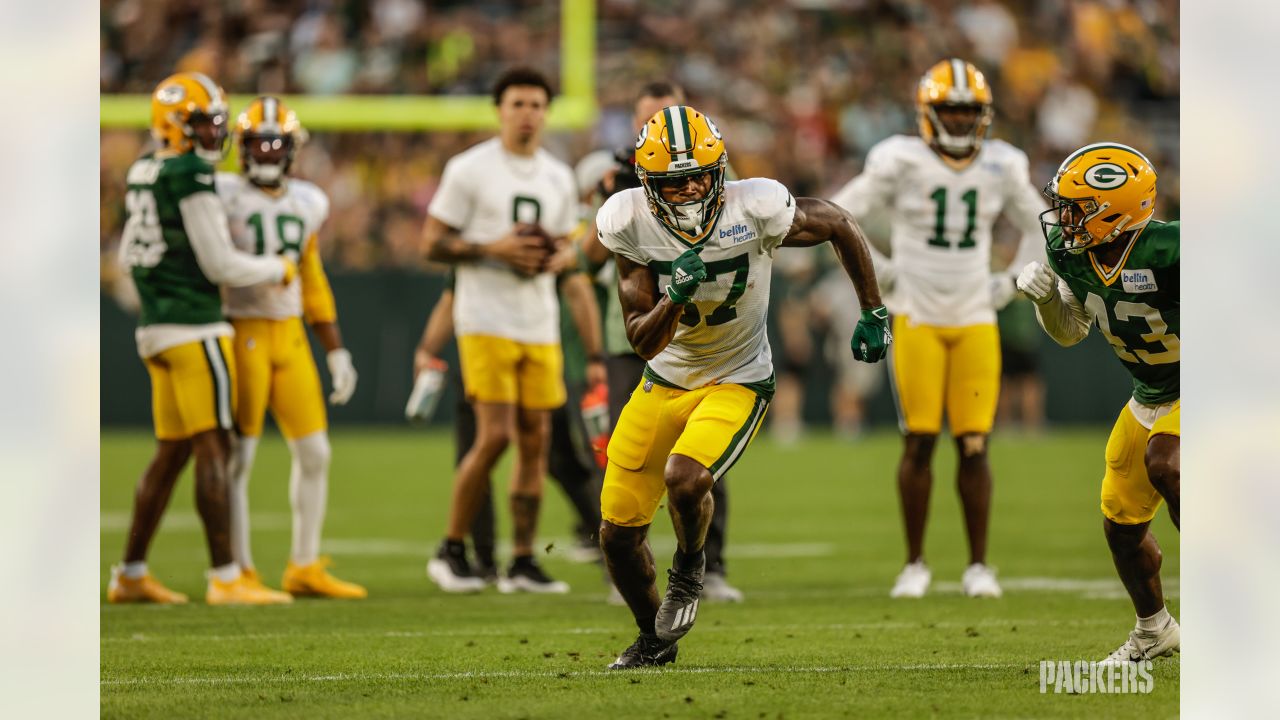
(318, 305)
(1064, 318)
(206, 224)
(1023, 205)
(452, 203)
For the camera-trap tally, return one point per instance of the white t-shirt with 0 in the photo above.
(483, 193)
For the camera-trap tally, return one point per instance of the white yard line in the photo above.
(534, 632)
(528, 674)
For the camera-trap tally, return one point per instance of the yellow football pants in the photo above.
(953, 367)
(500, 370)
(1128, 497)
(276, 370)
(192, 388)
(712, 425)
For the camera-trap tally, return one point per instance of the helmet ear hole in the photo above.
(1111, 218)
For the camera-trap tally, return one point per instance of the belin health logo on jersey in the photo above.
(1138, 281)
(738, 233)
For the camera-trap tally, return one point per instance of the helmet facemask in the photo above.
(1072, 216)
(207, 132)
(266, 157)
(962, 138)
(694, 218)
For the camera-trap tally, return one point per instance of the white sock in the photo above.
(240, 467)
(1156, 622)
(135, 570)
(308, 493)
(226, 573)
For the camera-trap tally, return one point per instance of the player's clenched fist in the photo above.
(871, 338)
(687, 273)
(1038, 282)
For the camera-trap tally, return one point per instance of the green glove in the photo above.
(871, 338)
(687, 273)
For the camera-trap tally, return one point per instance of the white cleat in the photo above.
(715, 588)
(980, 581)
(443, 575)
(912, 582)
(1144, 645)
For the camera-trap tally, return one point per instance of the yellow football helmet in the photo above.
(189, 113)
(677, 142)
(954, 83)
(269, 135)
(1100, 192)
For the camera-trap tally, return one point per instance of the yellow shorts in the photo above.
(713, 425)
(1128, 497)
(500, 370)
(192, 388)
(276, 370)
(958, 367)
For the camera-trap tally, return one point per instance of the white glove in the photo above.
(1038, 282)
(1002, 290)
(343, 374)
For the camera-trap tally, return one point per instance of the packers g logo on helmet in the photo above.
(1105, 176)
(179, 104)
(1099, 193)
(678, 142)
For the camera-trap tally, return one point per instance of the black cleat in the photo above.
(680, 606)
(646, 651)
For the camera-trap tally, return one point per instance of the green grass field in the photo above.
(814, 542)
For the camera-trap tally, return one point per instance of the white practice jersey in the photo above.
(941, 220)
(484, 191)
(264, 224)
(722, 336)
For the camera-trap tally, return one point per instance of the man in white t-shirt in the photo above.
(500, 211)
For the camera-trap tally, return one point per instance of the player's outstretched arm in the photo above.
(817, 221)
(651, 315)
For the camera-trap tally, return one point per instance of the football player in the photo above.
(176, 246)
(625, 366)
(273, 214)
(1113, 266)
(694, 254)
(943, 191)
(502, 208)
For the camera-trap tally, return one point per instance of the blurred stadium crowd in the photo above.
(802, 89)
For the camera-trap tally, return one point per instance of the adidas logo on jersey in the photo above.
(1138, 281)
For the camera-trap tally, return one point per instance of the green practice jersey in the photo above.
(155, 247)
(1137, 309)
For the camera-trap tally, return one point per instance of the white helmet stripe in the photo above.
(960, 75)
(677, 133)
(210, 87)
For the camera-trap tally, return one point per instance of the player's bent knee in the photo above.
(918, 447)
(313, 453)
(687, 478)
(1123, 537)
(621, 506)
(972, 445)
